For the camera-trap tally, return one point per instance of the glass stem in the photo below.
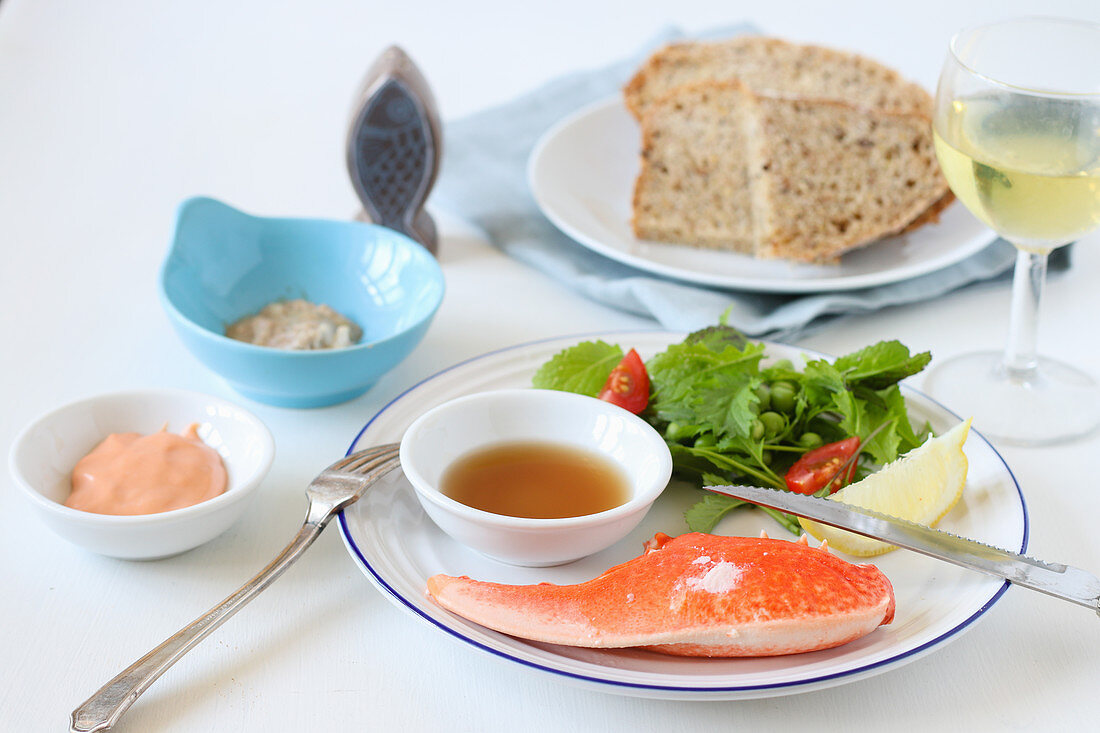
(1021, 357)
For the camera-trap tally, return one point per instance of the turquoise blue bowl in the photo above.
(225, 264)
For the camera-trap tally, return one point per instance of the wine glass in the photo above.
(1017, 133)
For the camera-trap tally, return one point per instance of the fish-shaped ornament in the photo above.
(394, 147)
(695, 595)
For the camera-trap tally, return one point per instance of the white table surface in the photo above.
(112, 112)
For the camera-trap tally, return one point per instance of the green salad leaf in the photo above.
(707, 383)
(880, 365)
(705, 515)
(717, 337)
(583, 368)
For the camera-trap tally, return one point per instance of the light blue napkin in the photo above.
(483, 180)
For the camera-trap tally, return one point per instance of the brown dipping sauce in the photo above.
(536, 480)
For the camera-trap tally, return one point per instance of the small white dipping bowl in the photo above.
(43, 456)
(447, 432)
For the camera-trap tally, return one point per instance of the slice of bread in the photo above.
(694, 186)
(827, 177)
(773, 66)
(728, 168)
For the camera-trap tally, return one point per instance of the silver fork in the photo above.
(338, 486)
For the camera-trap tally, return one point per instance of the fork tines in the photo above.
(362, 461)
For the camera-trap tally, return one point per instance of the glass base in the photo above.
(1051, 404)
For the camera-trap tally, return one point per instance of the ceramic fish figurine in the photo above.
(695, 595)
(394, 146)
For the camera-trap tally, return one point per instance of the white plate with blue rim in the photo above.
(398, 548)
(581, 174)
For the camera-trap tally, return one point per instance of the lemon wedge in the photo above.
(921, 486)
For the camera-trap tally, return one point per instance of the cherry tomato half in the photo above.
(628, 384)
(813, 470)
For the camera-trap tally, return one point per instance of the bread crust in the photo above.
(755, 60)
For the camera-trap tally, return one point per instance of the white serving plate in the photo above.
(398, 548)
(582, 171)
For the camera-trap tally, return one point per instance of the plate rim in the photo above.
(696, 277)
(680, 691)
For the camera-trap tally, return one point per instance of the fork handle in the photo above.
(103, 709)
(108, 703)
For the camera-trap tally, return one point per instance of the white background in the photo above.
(113, 112)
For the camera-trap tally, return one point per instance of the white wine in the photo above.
(1028, 169)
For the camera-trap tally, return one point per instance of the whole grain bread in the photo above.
(774, 66)
(828, 177)
(729, 168)
(694, 182)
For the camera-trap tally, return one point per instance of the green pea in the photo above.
(763, 393)
(766, 456)
(757, 430)
(706, 440)
(773, 423)
(783, 396)
(784, 365)
(809, 440)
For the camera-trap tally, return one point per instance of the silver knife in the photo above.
(1062, 581)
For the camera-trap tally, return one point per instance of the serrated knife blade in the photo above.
(1062, 581)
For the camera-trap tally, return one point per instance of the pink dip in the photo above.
(130, 473)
